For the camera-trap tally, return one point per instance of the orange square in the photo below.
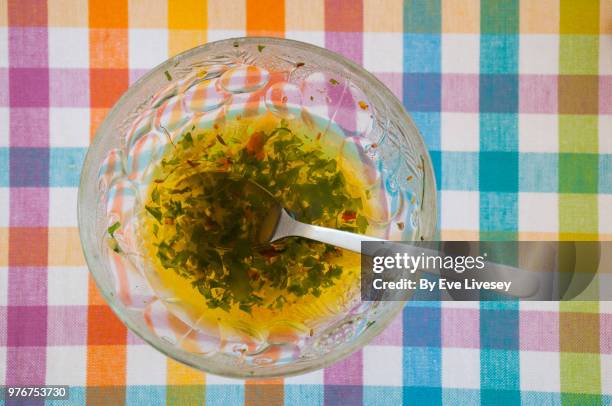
(108, 13)
(93, 293)
(107, 86)
(104, 327)
(58, 17)
(265, 17)
(108, 48)
(187, 14)
(65, 247)
(148, 14)
(106, 367)
(305, 16)
(3, 13)
(461, 16)
(605, 16)
(96, 117)
(28, 246)
(575, 328)
(264, 392)
(539, 17)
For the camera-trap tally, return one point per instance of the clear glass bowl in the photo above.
(226, 79)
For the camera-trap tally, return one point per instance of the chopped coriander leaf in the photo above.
(114, 227)
(260, 47)
(168, 76)
(334, 81)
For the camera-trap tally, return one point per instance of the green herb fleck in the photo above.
(334, 81)
(260, 47)
(168, 76)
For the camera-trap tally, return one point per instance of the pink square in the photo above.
(27, 285)
(392, 334)
(69, 87)
(538, 93)
(347, 371)
(460, 93)
(67, 325)
(460, 328)
(28, 47)
(539, 331)
(4, 87)
(393, 81)
(605, 94)
(29, 207)
(605, 328)
(29, 127)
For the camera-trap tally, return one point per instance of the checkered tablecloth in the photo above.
(513, 98)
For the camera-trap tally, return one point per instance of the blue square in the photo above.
(66, 166)
(423, 326)
(4, 167)
(498, 397)
(498, 212)
(429, 126)
(530, 398)
(422, 396)
(460, 397)
(145, 395)
(460, 170)
(499, 329)
(498, 53)
(422, 53)
(422, 367)
(29, 167)
(499, 369)
(422, 91)
(499, 132)
(76, 397)
(605, 173)
(303, 394)
(378, 396)
(498, 171)
(538, 172)
(498, 93)
(422, 16)
(343, 395)
(224, 395)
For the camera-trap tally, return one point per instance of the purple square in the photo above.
(460, 328)
(605, 94)
(67, 325)
(26, 366)
(69, 87)
(27, 285)
(347, 44)
(4, 87)
(29, 167)
(392, 334)
(393, 81)
(29, 127)
(29, 207)
(348, 371)
(460, 93)
(539, 331)
(28, 47)
(27, 326)
(538, 93)
(29, 87)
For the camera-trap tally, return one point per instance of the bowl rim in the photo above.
(166, 348)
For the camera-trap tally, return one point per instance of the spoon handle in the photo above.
(342, 239)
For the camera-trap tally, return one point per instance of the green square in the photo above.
(580, 372)
(580, 399)
(578, 133)
(579, 55)
(578, 214)
(499, 17)
(578, 173)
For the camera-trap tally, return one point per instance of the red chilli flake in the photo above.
(349, 215)
(221, 140)
(363, 105)
(400, 225)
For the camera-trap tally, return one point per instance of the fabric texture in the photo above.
(514, 101)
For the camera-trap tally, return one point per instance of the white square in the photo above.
(145, 366)
(460, 53)
(69, 127)
(67, 286)
(4, 206)
(3, 287)
(538, 133)
(3, 47)
(460, 368)
(460, 132)
(605, 214)
(461, 304)
(221, 380)
(606, 376)
(311, 378)
(4, 127)
(311, 37)
(66, 365)
(539, 54)
(605, 54)
(148, 47)
(216, 35)
(538, 306)
(605, 133)
(382, 365)
(382, 52)
(63, 207)
(540, 371)
(460, 210)
(68, 47)
(539, 212)
(3, 362)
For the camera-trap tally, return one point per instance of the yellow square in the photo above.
(580, 17)
(65, 247)
(461, 16)
(148, 14)
(227, 15)
(383, 16)
(67, 13)
(539, 16)
(182, 40)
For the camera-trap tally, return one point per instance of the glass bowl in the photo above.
(225, 80)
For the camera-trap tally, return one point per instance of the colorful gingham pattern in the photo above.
(514, 100)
